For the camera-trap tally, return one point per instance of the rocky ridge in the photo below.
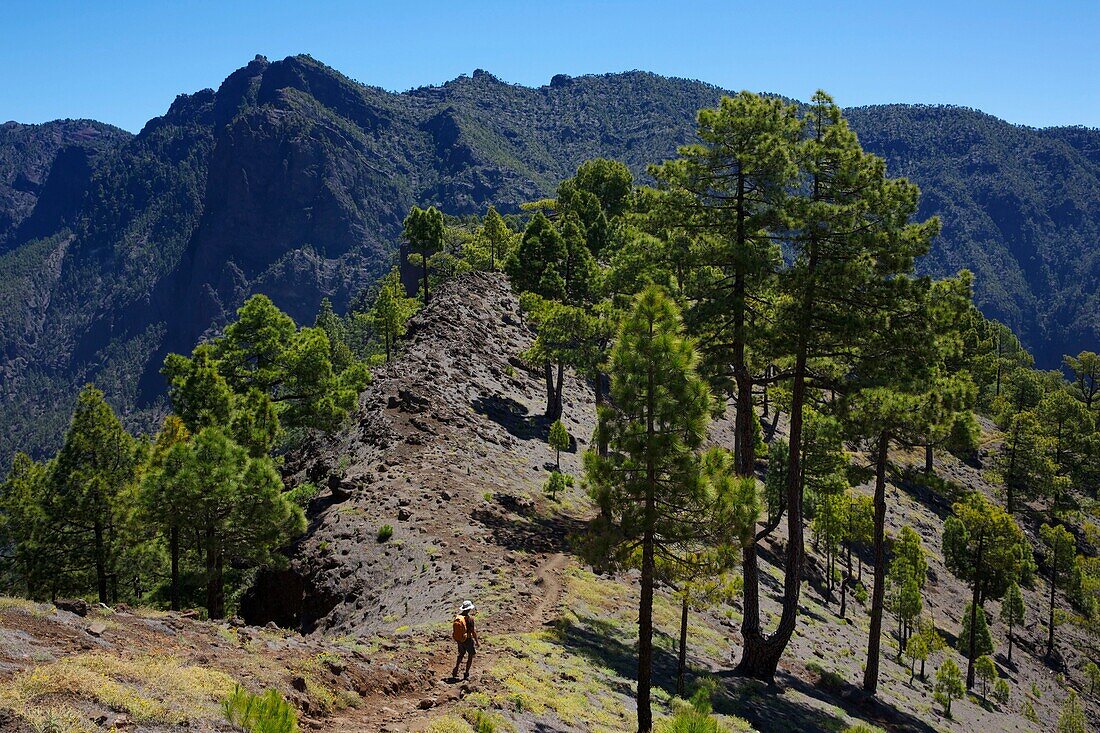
(448, 447)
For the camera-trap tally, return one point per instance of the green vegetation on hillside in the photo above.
(193, 510)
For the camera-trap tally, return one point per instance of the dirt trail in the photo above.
(548, 578)
(397, 713)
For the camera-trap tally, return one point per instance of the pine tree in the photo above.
(496, 233)
(1086, 375)
(235, 505)
(1092, 674)
(983, 637)
(336, 329)
(949, 685)
(95, 464)
(559, 440)
(648, 486)
(986, 672)
(904, 393)
(200, 396)
(391, 310)
(166, 505)
(728, 194)
(558, 274)
(1024, 463)
(1012, 613)
(1072, 718)
(27, 556)
(1067, 425)
(905, 581)
(566, 336)
(1001, 691)
(1061, 551)
(556, 483)
(264, 351)
(917, 651)
(981, 546)
(931, 639)
(423, 230)
(851, 251)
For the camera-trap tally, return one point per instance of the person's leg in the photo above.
(469, 656)
(461, 652)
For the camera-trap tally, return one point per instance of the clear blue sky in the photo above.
(123, 61)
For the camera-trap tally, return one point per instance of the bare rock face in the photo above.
(449, 448)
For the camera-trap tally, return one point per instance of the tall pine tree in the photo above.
(648, 486)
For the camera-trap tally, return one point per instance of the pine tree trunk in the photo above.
(972, 644)
(424, 265)
(557, 391)
(1010, 479)
(28, 577)
(846, 582)
(878, 593)
(174, 552)
(548, 370)
(681, 662)
(1010, 627)
(219, 587)
(645, 610)
(761, 654)
(601, 447)
(1050, 617)
(928, 459)
(214, 587)
(100, 561)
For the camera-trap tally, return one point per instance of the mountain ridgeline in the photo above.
(292, 180)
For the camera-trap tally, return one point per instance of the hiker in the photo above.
(464, 633)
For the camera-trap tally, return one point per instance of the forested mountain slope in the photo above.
(292, 180)
(1020, 208)
(43, 169)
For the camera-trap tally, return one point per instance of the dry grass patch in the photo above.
(21, 605)
(149, 689)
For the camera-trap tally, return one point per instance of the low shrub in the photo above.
(385, 532)
(264, 713)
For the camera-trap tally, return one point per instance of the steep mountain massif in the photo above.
(292, 179)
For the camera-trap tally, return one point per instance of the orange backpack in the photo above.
(458, 629)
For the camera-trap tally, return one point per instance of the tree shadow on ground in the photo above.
(599, 641)
(512, 416)
(934, 501)
(854, 701)
(764, 706)
(534, 533)
(766, 709)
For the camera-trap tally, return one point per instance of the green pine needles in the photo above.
(264, 713)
